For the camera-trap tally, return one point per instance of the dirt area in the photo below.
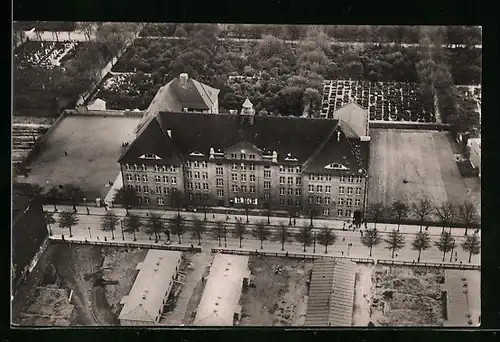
(278, 294)
(186, 294)
(81, 269)
(401, 296)
(362, 295)
(92, 152)
(424, 159)
(32, 120)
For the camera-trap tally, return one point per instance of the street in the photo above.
(340, 248)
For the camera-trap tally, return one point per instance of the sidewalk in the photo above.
(274, 221)
(347, 243)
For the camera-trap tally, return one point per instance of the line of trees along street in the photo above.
(471, 35)
(448, 214)
(155, 226)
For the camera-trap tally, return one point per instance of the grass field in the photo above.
(425, 160)
(93, 144)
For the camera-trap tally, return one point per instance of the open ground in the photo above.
(279, 294)
(398, 296)
(425, 160)
(93, 144)
(79, 268)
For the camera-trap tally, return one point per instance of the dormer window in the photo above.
(149, 156)
(290, 157)
(336, 166)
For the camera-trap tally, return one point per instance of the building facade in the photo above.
(281, 163)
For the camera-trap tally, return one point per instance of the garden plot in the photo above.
(385, 101)
(278, 294)
(403, 296)
(44, 54)
(470, 97)
(132, 91)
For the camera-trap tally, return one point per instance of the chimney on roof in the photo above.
(247, 112)
(338, 135)
(169, 132)
(212, 152)
(275, 157)
(183, 78)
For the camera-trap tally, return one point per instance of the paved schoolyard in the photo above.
(425, 160)
(93, 144)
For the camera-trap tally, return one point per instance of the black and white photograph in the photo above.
(252, 175)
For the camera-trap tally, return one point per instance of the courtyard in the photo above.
(93, 144)
(408, 165)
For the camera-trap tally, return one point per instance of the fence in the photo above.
(410, 125)
(130, 245)
(288, 255)
(429, 264)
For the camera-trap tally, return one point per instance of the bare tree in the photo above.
(445, 243)
(239, 231)
(88, 28)
(217, 230)
(395, 241)
(178, 226)
(68, 219)
(282, 235)
(399, 211)
(327, 238)
(467, 214)
(421, 242)
(371, 238)
(155, 225)
(132, 224)
(304, 236)
(422, 210)
(49, 220)
(472, 245)
(261, 232)
(444, 212)
(376, 212)
(109, 222)
(199, 228)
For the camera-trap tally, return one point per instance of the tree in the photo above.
(35, 190)
(239, 230)
(49, 220)
(399, 211)
(282, 235)
(132, 224)
(54, 195)
(87, 28)
(326, 238)
(371, 238)
(246, 206)
(177, 200)
(217, 230)
(446, 214)
(395, 241)
(467, 214)
(109, 222)
(270, 46)
(155, 225)
(199, 228)
(422, 209)
(312, 101)
(127, 196)
(472, 245)
(304, 236)
(115, 36)
(178, 226)
(445, 243)
(73, 192)
(421, 242)
(313, 212)
(68, 219)
(268, 213)
(261, 232)
(375, 212)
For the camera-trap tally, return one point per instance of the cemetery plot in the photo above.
(385, 101)
(130, 91)
(24, 138)
(43, 54)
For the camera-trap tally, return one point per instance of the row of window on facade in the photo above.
(340, 203)
(158, 179)
(341, 189)
(242, 156)
(158, 168)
